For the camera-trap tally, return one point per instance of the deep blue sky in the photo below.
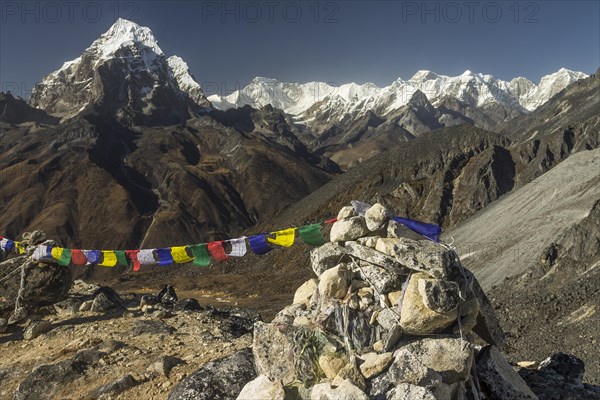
(336, 41)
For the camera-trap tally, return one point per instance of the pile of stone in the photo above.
(387, 317)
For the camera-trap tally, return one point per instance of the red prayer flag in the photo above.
(132, 254)
(78, 257)
(217, 251)
(331, 221)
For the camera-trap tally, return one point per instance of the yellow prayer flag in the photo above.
(56, 252)
(180, 256)
(19, 248)
(283, 238)
(110, 258)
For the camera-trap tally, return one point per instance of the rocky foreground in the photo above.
(386, 317)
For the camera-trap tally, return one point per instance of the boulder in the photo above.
(221, 379)
(114, 388)
(106, 299)
(164, 365)
(348, 229)
(350, 373)
(406, 391)
(373, 256)
(19, 315)
(334, 282)
(374, 364)
(167, 296)
(35, 329)
(305, 292)
(45, 284)
(377, 216)
(262, 388)
(44, 381)
(187, 305)
(382, 280)
(326, 256)
(331, 364)
(499, 379)
(407, 368)
(346, 212)
(346, 390)
(416, 317)
(451, 357)
(439, 295)
(420, 255)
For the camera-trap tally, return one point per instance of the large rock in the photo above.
(416, 317)
(499, 379)
(346, 390)
(222, 379)
(348, 229)
(377, 216)
(305, 292)
(262, 388)
(384, 281)
(407, 368)
(36, 328)
(374, 257)
(406, 391)
(420, 255)
(44, 381)
(439, 295)
(374, 364)
(45, 284)
(334, 282)
(327, 256)
(114, 388)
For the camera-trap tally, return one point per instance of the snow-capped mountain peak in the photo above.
(125, 71)
(121, 34)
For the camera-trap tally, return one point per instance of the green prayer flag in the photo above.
(65, 257)
(201, 256)
(121, 259)
(311, 234)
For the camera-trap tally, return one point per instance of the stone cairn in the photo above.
(387, 317)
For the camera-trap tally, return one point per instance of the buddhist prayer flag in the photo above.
(238, 247)
(7, 244)
(133, 256)
(430, 231)
(121, 259)
(201, 257)
(62, 256)
(19, 248)
(217, 251)
(259, 244)
(146, 257)
(109, 258)
(311, 234)
(40, 252)
(93, 256)
(180, 255)
(164, 257)
(283, 238)
(78, 257)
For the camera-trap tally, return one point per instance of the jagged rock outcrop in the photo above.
(387, 318)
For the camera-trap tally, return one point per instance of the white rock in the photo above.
(377, 216)
(305, 292)
(406, 391)
(374, 364)
(262, 388)
(334, 282)
(348, 229)
(345, 391)
(346, 212)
